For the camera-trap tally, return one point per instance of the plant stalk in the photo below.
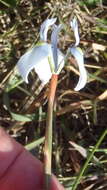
(48, 135)
(85, 167)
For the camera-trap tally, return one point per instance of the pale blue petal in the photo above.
(80, 61)
(35, 58)
(74, 26)
(45, 27)
(61, 61)
(54, 42)
(43, 70)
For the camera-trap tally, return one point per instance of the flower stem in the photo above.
(48, 135)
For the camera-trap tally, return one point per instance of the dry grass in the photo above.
(81, 117)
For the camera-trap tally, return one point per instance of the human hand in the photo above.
(19, 170)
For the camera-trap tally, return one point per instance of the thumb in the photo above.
(19, 169)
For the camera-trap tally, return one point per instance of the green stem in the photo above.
(77, 181)
(48, 135)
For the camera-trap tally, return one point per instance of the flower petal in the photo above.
(61, 61)
(45, 27)
(74, 25)
(54, 42)
(77, 53)
(43, 70)
(35, 58)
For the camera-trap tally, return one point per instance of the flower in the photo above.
(78, 54)
(40, 57)
(47, 59)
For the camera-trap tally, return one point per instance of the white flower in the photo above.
(40, 57)
(78, 54)
(47, 59)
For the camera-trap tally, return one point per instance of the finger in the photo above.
(19, 169)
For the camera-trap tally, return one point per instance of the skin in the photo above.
(19, 169)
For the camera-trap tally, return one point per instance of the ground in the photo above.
(79, 134)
